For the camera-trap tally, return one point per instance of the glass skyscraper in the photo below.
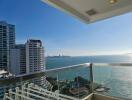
(7, 41)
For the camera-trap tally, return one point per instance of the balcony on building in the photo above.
(77, 82)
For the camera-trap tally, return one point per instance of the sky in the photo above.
(64, 34)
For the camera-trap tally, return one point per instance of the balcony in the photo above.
(97, 81)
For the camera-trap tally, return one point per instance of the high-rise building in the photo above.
(34, 56)
(14, 61)
(11, 35)
(27, 58)
(22, 49)
(7, 41)
(18, 59)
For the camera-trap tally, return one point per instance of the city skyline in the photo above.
(69, 36)
(24, 58)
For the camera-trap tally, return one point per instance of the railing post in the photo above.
(5, 96)
(91, 77)
(10, 93)
(17, 91)
(23, 90)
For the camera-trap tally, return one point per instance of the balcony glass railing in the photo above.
(73, 81)
(114, 79)
(70, 83)
(66, 83)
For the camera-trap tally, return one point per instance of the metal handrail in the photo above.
(68, 67)
(25, 77)
(113, 64)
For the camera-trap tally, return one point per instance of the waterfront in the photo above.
(118, 79)
(61, 62)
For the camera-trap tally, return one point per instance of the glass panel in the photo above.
(113, 80)
(72, 81)
(67, 83)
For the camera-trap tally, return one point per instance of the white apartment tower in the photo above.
(34, 56)
(7, 41)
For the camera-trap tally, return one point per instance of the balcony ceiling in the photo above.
(92, 10)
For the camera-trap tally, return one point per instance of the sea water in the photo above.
(118, 79)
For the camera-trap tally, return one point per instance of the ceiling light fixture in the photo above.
(112, 1)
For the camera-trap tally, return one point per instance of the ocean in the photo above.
(118, 79)
(61, 62)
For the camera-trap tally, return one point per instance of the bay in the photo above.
(118, 79)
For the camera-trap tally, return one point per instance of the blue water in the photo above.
(61, 62)
(118, 79)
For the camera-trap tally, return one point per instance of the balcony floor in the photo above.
(95, 96)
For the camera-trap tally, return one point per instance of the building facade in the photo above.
(34, 56)
(21, 58)
(18, 59)
(15, 61)
(22, 49)
(27, 58)
(11, 36)
(7, 41)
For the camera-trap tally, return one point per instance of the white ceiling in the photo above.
(92, 10)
